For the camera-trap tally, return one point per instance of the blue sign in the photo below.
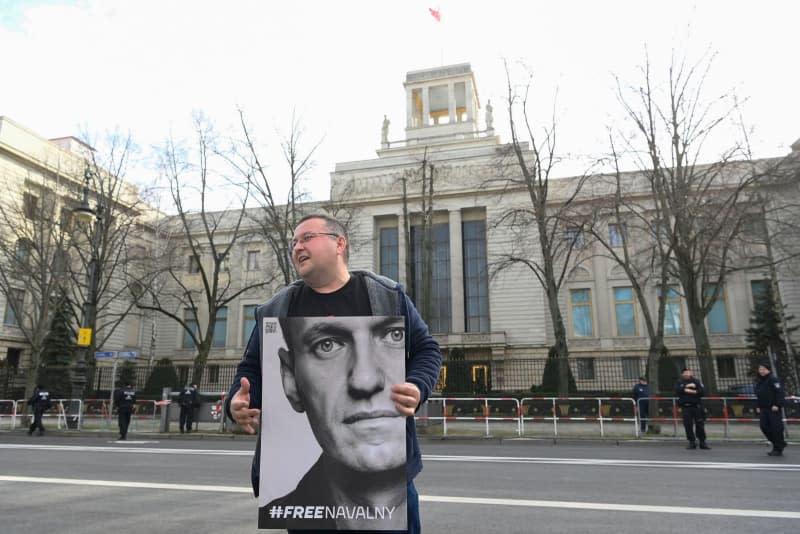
(101, 355)
(127, 354)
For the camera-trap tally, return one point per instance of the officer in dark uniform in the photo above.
(125, 399)
(40, 402)
(188, 401)
(690, 394)
(771, 398)
(641, 396)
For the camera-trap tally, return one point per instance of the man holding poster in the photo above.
(354, 411)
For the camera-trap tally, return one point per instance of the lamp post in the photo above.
(86, 215)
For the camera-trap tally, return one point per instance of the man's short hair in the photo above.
(285, 323)
(643, 378)
(334, 227)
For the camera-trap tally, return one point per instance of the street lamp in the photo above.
(86, 215)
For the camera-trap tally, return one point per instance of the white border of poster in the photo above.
(289, 449)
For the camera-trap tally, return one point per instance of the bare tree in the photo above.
(101, 251)
(703, 205)
(544, 218)
(210, 239)
(33, 259)
(276, 218)
(639, 247)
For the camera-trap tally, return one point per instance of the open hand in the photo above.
(245, 417)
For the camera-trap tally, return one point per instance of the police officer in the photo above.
(125, 399)
(690, 394)
(641, 396)
(40, 402)
(188, 401)
(770, 398)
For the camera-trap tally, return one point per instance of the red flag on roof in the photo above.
(436, 13)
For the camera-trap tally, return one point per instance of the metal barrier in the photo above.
(722, 410)
(601, 410)
(67, 413)
(474, 409)
(144, 411)
(8, 410)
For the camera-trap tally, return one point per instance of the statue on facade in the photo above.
(385, 131)
(489, 118)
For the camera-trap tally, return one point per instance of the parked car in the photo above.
(740, 390)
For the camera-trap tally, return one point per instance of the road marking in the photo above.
(591, 462)
(529, 503)
(138, 450)
(119, 484)
(603, 462)
(737, 512)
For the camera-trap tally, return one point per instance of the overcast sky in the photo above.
(145, 66)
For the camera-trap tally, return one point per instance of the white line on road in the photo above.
(118, 484)
(773, 514)
(573, 505)
(595, 462)
(603, 462)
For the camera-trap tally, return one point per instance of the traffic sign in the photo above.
(84, 337)
(127, 354)
(106, 354)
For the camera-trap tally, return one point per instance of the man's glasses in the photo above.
(308, 236)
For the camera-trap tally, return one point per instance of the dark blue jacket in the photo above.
(423, 356)
(769, 392)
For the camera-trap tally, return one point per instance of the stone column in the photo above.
(426, 107)
(451, 102)
(401, 252)
(456, 273)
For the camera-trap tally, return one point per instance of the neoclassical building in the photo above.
(491, 317)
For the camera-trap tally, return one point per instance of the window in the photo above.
(389, 253)
(252, 260)
(616, 234)
(23, 251)
(630, 368)
(760, 291)
(672, 313)
(14, 299)
(624, 309)
(30, 204)
(659, 229)
(248, 322)
(476, 280)
(440, 312)
(183, 375)
(194, 264)
(213, 373)
(717, 318)
(754, 226)
(190, 320)
(585, 368)
(679, 362)
(221, 328)
(726, 366)
(574, 236)
(66, 219)
(581, 304)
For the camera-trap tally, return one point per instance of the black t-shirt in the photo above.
(350, 300)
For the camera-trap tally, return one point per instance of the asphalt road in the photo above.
(93, 485)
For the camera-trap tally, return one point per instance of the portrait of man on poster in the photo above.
(338, 372)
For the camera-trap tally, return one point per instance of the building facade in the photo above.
(430, 211)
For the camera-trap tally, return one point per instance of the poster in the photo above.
(333, 446)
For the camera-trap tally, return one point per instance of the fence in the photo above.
(601, 376)
(66, 412)
(482, 414)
